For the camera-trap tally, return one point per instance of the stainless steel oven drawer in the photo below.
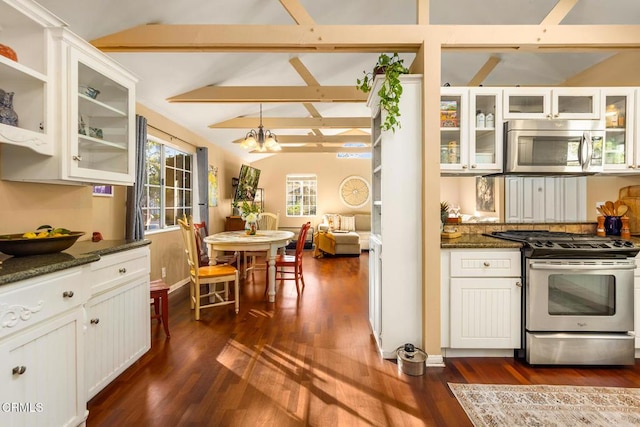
(549, 348)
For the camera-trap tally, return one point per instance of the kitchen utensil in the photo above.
(616, 205)
(16, 245)
(609, 205)
(601, 210)
(622, 209)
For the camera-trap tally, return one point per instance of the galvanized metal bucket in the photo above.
(411, 360)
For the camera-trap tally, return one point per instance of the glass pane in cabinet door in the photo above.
(449, 148)
(576, 104)
(526, 104)
(616, 112)
(615, 153)
(485, 133)
(101, 156)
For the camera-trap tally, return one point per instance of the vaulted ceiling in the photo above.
(212, 78)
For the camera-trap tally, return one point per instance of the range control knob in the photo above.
(617, 243)
(629, 244)
(548, 244)
(538, 244)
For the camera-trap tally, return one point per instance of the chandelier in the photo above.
(262, 140)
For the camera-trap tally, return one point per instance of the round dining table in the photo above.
(269, 241)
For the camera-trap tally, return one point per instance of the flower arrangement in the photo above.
(250, 213)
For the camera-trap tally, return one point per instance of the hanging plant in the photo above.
(390, 91)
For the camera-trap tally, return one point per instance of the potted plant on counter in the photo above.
(390, 91)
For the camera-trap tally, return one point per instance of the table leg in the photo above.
(271, 292)
(212, 254)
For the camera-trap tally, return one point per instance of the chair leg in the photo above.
(165, 313)
(197, 301)
(301, 275)
(191, 293)
(296, 277)
(156, 308)
(237, 292)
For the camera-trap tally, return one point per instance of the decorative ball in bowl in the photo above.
(18, 245)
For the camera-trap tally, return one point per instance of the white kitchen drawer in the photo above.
(115, 269)
(28, 302)
(485, 263)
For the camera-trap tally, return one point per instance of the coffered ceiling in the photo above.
(209, 64)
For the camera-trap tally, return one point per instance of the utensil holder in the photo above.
(612, 225)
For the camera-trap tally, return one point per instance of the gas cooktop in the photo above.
(542, 243)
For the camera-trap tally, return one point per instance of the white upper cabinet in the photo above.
(548, 103)
(27, 82)
(620, 153)
(470, 130)
(75, 105)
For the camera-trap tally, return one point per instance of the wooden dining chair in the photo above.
(284, 262)
(267, 221)
(216, 278)
(200, 228)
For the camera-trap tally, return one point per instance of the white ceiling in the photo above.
(163, 75)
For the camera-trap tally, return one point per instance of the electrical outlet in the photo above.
(164, 272)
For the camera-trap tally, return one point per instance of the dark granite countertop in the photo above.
(14, 269)
(477, 241)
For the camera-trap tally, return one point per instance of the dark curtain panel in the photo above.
(135, 193)
(202, 161)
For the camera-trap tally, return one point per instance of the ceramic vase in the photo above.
(612, 225)
(252, 228)
(7, 115)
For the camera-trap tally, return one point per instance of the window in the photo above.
(301, 195)
(168, 186)
(357, 155)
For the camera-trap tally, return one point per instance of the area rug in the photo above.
(548, 405)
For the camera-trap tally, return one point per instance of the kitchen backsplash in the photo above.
(583, 227)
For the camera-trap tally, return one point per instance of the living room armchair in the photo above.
(350, 231)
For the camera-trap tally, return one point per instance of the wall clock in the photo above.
(354, 191)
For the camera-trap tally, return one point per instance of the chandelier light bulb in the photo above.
(262, 140)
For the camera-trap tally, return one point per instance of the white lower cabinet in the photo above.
(484, 290)
(41, 351)
(118, 323)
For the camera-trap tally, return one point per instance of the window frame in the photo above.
(303, 177)
(162, 187)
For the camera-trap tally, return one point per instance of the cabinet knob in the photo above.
(632, 166)
(77, 158)
(67, 294)
(474, 166)
(122, 270)
(95, 321)
(486, 264)
(464, 166)
(19, 370)
(519, 284)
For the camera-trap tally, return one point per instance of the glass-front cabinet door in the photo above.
(619, 154)
(454, 141)
(485, 130)
(548, 103)
(102, 127)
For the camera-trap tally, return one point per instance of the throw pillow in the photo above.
(348, 223)
(333, 220)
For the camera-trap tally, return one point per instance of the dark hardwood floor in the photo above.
(301, 361)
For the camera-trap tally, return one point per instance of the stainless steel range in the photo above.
(578, 299)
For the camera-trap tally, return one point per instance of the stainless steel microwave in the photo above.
(545, 147)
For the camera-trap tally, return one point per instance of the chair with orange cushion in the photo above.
(291, 261)
(215, 277)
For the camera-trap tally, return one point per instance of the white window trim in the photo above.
(286, 181)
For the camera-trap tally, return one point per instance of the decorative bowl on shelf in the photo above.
(95, 133)
(89, 91)
(17, 245)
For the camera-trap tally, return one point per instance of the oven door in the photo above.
(579, 295)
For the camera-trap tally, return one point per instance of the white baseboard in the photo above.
(435, 361)
(473, 352)
(179, 284)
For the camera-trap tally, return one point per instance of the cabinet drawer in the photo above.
(484, 263)
(28, 302)
(113, 270)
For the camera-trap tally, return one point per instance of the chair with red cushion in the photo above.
(284, 262)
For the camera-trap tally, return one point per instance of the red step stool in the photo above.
(160, 296)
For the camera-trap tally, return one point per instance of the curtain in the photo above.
(135, 193)
(202, 162)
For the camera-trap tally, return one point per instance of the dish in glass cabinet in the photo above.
(89, 91)
(17, 245)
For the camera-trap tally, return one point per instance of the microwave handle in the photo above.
(585, 145)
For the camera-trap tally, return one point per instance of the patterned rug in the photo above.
(548, 405)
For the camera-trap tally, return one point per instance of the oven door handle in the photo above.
(542, 266)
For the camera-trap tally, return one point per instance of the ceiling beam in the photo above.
(296, 123)
(559, 12)
(297, 12)
(612, 71)
(315, 139)
(317, 149)
(263, 94)
(484, 71)
(366, 38)
(422, 12)
(310, 80)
